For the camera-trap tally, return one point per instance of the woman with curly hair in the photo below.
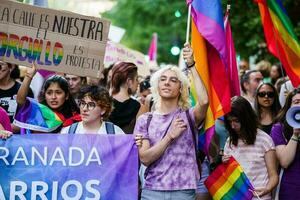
(95, 106)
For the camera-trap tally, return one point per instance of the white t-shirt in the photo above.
(80, 129)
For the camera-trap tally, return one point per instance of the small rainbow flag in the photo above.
(36, 116)
(229, 182)
(281, 40)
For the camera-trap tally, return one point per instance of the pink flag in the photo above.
(152, 52)
(231, 59)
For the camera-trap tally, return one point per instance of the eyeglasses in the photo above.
(266, 94)
(89, 105)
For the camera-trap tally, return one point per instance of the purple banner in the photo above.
(54, 167)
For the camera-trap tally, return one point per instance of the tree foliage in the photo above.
(141, 18)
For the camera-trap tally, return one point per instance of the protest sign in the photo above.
(55, 40)
(117, 52)
(77, 166)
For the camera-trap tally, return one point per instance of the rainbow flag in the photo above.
(38, 117)
(231, 59)
(281, 40)
(152, 52)
(228, 181)
(209, 44)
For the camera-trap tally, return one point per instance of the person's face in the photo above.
(274, 74)
(244, 65)
(265, 96)
(89, 110)
(169, 85)
(255, 79)
(55, 96)
(296, 100)
(4, 70)
(74, 83)
(133, 84)
(235, 124)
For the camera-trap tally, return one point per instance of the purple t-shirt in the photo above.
(176, 169)
(290, 182)
(4, 120)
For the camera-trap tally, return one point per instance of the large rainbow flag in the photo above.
(229, 182)
(36, 116)
(281, 40)
(209, 44)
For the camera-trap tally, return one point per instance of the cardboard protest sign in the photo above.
(117, 52)
(55, 40)
(69, 166)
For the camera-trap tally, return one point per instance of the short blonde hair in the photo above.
(184, 100)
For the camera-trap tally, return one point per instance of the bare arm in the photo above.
(201, 92)
(149, 154)
(286, 153)
(270, 159)
(23, 91)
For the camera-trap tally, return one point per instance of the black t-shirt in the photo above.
(7, 101)
(124, 114)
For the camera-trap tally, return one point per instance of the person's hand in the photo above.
(260, 191)
(5, 134)
(30, 72)
(177, 127)
(296, 132)
(138, 138)
(225, 158)
(187, 53)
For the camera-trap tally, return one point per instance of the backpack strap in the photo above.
(110, 128)
(73, 128)
(149, 118)
(192, 127)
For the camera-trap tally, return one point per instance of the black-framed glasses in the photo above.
(89, 105)
(266, 94)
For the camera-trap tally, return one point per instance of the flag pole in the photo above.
(188, 24)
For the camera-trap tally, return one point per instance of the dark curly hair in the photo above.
(99, 94)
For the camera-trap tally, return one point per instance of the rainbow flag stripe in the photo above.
(229, 182)
(209, 44)
(38, 117)
(281, 40)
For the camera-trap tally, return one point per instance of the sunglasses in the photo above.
(266, 94)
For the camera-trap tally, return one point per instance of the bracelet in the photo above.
(172, 139)
(190, 66)
(295, 139)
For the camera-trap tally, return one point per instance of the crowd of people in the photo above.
(157, 111)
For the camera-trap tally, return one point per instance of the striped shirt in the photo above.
(252, 159)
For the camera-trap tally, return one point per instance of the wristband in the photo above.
(190, 66)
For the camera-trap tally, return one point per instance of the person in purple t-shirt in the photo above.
(286, 140)
(165, 141)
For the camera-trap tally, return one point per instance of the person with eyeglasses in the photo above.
(287, 140)
(55, 94)
(95, 106)
(266, 106)
(253, 149)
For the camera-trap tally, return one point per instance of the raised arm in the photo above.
(201, 92)
(286, 153)
(23, 91)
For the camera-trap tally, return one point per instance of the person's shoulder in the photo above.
(65, 130)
